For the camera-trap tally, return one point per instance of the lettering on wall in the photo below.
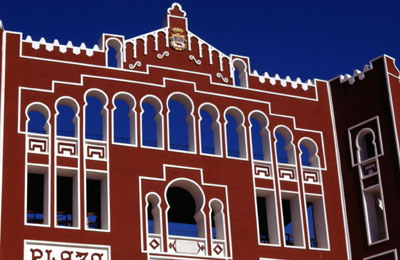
(43, 250)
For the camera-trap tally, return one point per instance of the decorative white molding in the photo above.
(132, 66)
(192, 58)
(219, 75)
(161, 56)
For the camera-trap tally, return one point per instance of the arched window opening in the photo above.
(149, 125)
(217, 220)
(240, 73)
(151, 122)
(305, 156)
(66, 121)
(114, 53)
(181, 125)
(210, 130)
(38, 116)
(37, 122)
(235, 134)
(232, 136)
(284, 147)
(95, 119)
(153, 215)
(308, 154)
(124, 116)
(280, 148)
(181, 214)
(150, 222)
(207, 133)
(260, 137)
(366, 144)
(121, 122)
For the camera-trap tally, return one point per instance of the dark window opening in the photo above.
(178, 127)
(311, 224)
(262, 219)
(181, 213)
(65, 124)
(35, 210)
(256, 140)
(36, 122)
(149, 125)
(122, 122)
(232, 137)
(64, 201)
(287, 218)
(93, 203)
(94, 119)
(150, 221)
(280, 149)
(213, 230)
(207, 133)
(369, 138)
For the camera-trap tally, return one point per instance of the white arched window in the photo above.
(373, 200)
(308, 155)
(284, 145)
(114, 53)
(235, 134)
(38, 117)
(124, 119)
(153, 212)
(67, 120)
(240, 73)
(260, 140)
(210, 129)
(366, 145)
(181, 123)
(151, 125)
(217, 220)
(96, 120)
(185, 216)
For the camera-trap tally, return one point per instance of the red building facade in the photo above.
(244, 173)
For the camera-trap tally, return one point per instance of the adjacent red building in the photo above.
(162, 147)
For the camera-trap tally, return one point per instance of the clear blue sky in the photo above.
(309, 39)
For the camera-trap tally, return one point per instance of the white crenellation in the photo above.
(284, 82)
(356, 74)
(144, 37)
(200, 42)
(62, 48)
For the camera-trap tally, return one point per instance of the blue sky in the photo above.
(306, 39)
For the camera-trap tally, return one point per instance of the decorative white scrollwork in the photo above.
(132, 66)
(198, 62)
(219, 75)
(165, 54)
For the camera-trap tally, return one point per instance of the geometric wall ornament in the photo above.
(263, 171)
(311, 176)
(288, 174)
(37, 145)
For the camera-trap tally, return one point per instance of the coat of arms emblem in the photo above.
(178, 39)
